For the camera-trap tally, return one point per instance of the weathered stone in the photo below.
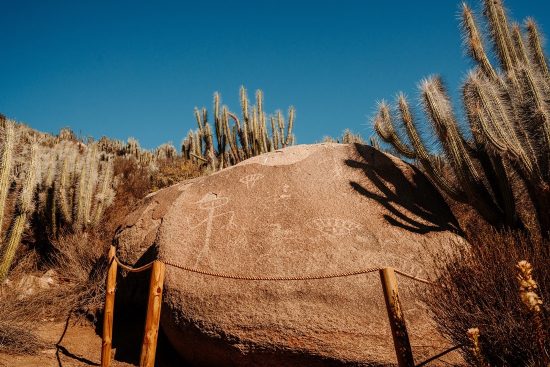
(304, 210)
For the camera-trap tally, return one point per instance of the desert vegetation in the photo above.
(506, 148)
(247, 137)
(498, 166)
(62, 196)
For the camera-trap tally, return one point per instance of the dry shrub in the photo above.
(81, 266)
(16, 331)
(81, 262)
(17, 317)
(172, 171)
(479, 289)
(135, 179)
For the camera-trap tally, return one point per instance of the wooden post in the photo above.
(108, 310)
(149, 346)
(397, 320)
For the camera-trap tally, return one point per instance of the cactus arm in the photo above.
(81, 195)
(24, 210)
(198, 118)
(6, 165)
(240, 133)
(423, 156)
(260, 121)
(476, 100)
(542, 116)
(260, 102)
(517, 38)
(291, 116)
(267, 141)
(209, 146)
(438, 108)
(384, 127)
(218, 126)
(274, 134)
(233, 151)
(103, 196)
(535, 45)
(475, 43)
(492, 161)
(92, 163)
(500, 33)
(63, 187)
(281, 125)
(486, 110)
(437, 105)
(244, 103)
(499, 180)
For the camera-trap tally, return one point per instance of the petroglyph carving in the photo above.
(285, 194)
(334, 226)
(250, 180)
(211, 202)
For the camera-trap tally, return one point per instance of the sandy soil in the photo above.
(81, 346)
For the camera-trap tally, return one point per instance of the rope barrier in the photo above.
(412, 277)
(387, 277)
(272, 278)
(132, 269)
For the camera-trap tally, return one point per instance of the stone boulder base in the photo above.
(303, 210)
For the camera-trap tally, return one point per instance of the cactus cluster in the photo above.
(132, 150)
(50, 182)
(507, 147)
(348, 137)
(76, 187)
(24, 200)
(233, 140)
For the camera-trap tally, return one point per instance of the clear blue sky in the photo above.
(135, 68)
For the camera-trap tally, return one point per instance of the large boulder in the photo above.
(304, 210)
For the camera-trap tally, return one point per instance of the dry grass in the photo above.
(17, 338)
(479, 289)
(173, 171)
(80, 265)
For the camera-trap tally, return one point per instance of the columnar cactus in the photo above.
(508, 113)
(105, 194)
(6, 164)
(24, 210)
(247, 137)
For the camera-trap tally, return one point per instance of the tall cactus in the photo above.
(24, 210)
(249, 136)
(6, 164)
(508, 114)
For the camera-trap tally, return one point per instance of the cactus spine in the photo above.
(508, 114)
(24, 210)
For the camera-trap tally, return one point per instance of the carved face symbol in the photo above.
(334, 226)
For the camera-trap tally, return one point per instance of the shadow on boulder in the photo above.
(399, 194)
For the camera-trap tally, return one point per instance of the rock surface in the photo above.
(303, 210)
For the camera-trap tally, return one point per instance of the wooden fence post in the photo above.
(149, 346)
(108, 310)
(396, 318)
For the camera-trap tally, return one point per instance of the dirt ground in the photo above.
(81, 346)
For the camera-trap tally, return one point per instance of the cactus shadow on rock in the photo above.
(401, 195)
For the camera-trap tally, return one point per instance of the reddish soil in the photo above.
(81, 346)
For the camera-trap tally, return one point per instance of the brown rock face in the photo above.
(304, 210)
